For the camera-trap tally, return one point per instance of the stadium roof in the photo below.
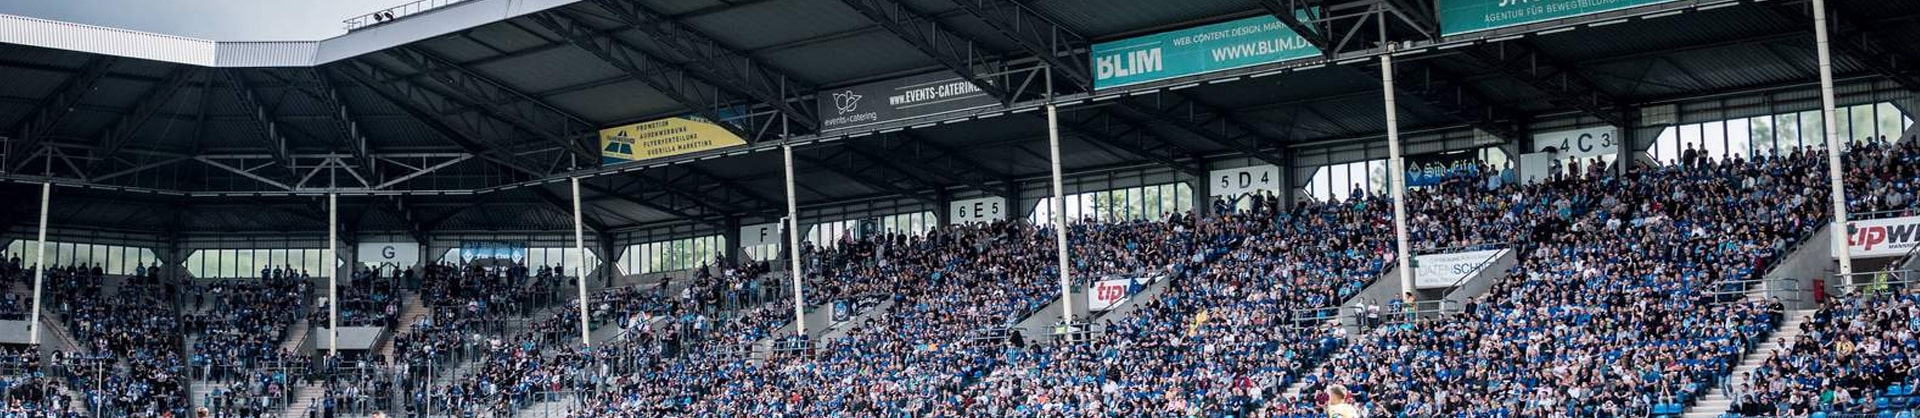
(441, 117)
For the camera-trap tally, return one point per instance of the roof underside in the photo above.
(516, 101)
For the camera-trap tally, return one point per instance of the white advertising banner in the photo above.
(762, 234)
(402, 254)
(985, 209)
(1882, 237)
(1239, 181)
(1446, 270)
(1587, 142)
(1109, 293)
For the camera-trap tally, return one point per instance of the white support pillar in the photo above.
(580, 264)
(332, 263)
(1834, 145)
(39, 263)
(1397, 175)
(793, 245)
(1060, 216)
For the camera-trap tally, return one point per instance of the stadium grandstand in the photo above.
(970, 208)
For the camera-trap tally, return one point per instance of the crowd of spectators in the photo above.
(237, 325)
(1883, 179)
(1617, 306)
(1854, 357)
(129, 361)
(369, 299)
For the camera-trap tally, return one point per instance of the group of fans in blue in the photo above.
(1627, 299)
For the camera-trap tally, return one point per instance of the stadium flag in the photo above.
(1193, 51)
(1466, 16)
(663, 138)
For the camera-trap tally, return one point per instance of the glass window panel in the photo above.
(1862, 125)
(1813, 130)
(1760, 135)
(1666, 147)
(1889, 120)
(1739, 138)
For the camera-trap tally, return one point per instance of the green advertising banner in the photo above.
(1200, 50)
(1464, 16)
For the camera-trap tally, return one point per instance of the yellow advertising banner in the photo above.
(663, 138)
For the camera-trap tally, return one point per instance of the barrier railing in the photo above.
(1879, 281)
(1786, 288)
(396, 12)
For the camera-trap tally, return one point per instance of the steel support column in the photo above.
(40, 263)
(580, 264)
(1397, 174)
(1835, 147)
(1060, 217)
(793, 244)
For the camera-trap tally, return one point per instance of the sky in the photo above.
(220, 20)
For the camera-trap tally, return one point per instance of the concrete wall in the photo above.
(351, 338)
(1792, 280)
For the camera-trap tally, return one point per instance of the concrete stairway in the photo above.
(1716, 400)
(297, 335)
(415, 309)
(303, 395)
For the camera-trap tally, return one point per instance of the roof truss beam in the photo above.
(1106, 128)
(938, 160)
(951, 50)
(1211, 123)
(266, 129)
(122, 130)
(1564, 84)
(717, 63)
(869, 171)
(55, 107)
(1860, 39)
(1037, 35)
(1449, 94)
(516, 109)
(676, 83)
(469, 132)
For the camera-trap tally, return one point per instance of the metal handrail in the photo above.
(1789, 286)
(1895, 279)
(393, 13)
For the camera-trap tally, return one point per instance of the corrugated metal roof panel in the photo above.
(104, 40)
(748, 27)
(265, 54)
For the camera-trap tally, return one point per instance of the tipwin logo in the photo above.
(846, 101)
(1895, 235)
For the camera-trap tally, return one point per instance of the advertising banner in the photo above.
(1109, 293)
(1446, 270)
(1239, 181)
(401, 254)
(1890, 237)
(478, 250)
(1464, 16)
(663, 138)
(762, 234)
(1431, 169)
(899, 99)
(985, 209)
(1200, 50)
(1589, 142)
